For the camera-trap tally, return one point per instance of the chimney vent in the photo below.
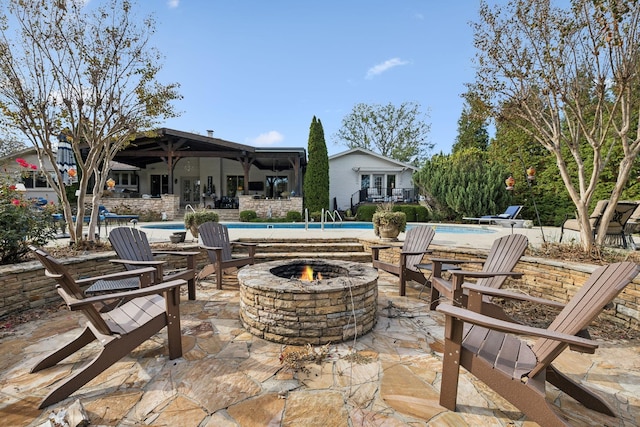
(210, 133)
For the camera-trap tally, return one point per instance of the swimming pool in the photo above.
(350, 225)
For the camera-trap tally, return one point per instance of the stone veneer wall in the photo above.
(24, 286)
(279, 207)
(169, 203)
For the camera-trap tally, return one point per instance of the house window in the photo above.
(378, 181)
(34, 179)
(365, 181)
(125, 179)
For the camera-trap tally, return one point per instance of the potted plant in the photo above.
(193, 219)
(387, 223)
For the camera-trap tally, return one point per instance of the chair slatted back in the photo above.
(503, 256)
(216, 235)
(132, 244)
(604, 284)
(417, 239)
(68, 288)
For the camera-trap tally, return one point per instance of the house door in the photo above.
(159, 185)
(190, 194)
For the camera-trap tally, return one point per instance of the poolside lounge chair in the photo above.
(615, 230)
(415, 246)
(215, 239)
(516, 370)
(134, 251)
(496, 268)
(140, 315)
(510, 213)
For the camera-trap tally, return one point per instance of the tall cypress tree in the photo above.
(316, 179)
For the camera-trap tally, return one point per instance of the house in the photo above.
(360, 176)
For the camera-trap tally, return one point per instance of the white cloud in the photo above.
(173, 3)
(386, 65)
(266, 139)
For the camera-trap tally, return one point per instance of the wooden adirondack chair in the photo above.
(517, 371)
(415, 246)
(145, 312)
(134, 251)
(215, 239)
(503, 256)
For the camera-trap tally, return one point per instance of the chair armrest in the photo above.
(505, 293)
(212, 248)
(133, 262)
(457, 261)
(244, 243)
(415, 252)
(179, 253)
(118, 275)
(581, 344)
(484, 274)
(379, 247)
(127, 295)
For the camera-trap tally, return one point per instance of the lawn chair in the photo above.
(134, 251)
(415, 246)
(615, 229)
(215, 239)
(516, 370)
(632, 226)
(143, 313)
(510, 213)
(497, 267)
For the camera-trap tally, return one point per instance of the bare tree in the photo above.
(396, 132)
(569, 79)
(68, 65)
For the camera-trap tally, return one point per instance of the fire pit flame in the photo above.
(307, 274)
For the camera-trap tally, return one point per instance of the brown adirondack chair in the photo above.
(215, 239)
(134, 251)
(502, 258)
(414, 247)
(141, 314)
(517, 371)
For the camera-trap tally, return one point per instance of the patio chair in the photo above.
(415, 246)
(215, 239)
(397, 194)
(143, 313)
(134, 251)
(510, 213)
(615, 229)
(632, 226)
(496, 268)
(516, 370)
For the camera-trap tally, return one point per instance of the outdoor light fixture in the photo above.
(111, 183)
(531, 174)
(510, 182)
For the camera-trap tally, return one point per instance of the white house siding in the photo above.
(347, 168)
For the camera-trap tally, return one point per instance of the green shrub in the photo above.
(315, 216)
(409, 211)
(294, 216)
(365, 212)
(422, 214)
(193, 219)
(248, 216)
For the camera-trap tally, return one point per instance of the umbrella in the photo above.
(65, 159)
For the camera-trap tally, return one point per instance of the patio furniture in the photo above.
(510, 213)
(215, 239)
(134, 251)
(415, 246)
(516, 370)
(615, 234)
(502, 258)
(631, 227)
(142, 313)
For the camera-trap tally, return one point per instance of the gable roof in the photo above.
(374, 154)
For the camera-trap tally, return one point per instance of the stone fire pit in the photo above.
(275, 304)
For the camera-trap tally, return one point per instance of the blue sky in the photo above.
(257, 71)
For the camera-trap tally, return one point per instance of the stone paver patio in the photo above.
(227, 377)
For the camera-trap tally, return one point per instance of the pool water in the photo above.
(441, 228)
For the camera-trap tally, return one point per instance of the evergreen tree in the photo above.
(316, 178)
